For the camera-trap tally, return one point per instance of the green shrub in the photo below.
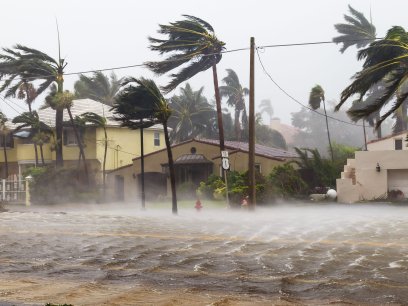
(53, 186)
(287, 182)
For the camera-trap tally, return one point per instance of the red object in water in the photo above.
(198, 205)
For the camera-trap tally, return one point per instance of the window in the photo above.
(258, 168)
(8, 139)
(398, 144)
(69, 138)
(156, 139)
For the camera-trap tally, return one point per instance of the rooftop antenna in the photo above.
(59, 43)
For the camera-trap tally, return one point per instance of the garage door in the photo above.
(398, 180)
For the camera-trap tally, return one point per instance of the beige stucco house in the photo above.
(372, 174)
(194, 161)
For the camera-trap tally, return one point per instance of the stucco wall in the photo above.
(387, 143)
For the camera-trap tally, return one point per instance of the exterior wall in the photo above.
(71, 152)
(124, 145)
(130, 184)
(153, 163)
(387, 143)
(369, 183)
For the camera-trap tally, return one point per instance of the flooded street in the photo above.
(293, 254)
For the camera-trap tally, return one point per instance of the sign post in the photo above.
(225, 167)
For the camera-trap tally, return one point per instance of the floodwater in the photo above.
(294, 254)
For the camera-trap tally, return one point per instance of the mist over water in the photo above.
(296, 253)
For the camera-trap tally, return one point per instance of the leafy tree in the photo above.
(190, 42)
(191, 114)
(269, 137)
(4, 132)
(315, 98)
(100, 122)
(98, 87)
(145, 102)
(266, 107)
(235, 94)
(19, 64)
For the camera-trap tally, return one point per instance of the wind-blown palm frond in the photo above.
(357, 31)
(316, 97)
(189, 40)
(386, 61)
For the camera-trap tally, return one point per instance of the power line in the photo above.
(294, 99)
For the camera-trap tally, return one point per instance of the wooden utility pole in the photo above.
(142, 166)
(251, 138)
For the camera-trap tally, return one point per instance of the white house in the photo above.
(372, 174)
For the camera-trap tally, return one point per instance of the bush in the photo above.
(287, 182)
(186, 190)
(53, 186)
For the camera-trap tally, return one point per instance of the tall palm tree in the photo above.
(385, 60)
(266, 107)
(100, 122)
(360, 32)
(98, 87)
(145, 102)
(235, 94)
(190, 42)
(19, 64)
(191, 114)
(4, 132)
(38, 129)
(315, 98)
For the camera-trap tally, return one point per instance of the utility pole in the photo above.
(251, 138)
(142, 165)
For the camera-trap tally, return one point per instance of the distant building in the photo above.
(374, 173)
(288, 132)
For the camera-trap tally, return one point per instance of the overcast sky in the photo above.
(104, 34)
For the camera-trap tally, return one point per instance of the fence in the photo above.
(13, 190)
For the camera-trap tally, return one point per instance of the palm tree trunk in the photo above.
(59, 118)
(104, 163)
(171, 170)
(379, 132)
(36, 154)
(80, 145)
(5, 157)
(328, 132)
(237, 125)
(218, 104)
(42, 155)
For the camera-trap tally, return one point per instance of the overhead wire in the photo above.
(293, 98)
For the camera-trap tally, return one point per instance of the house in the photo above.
(288, 132)
(372, 174)
(123, 143)
(194, 161)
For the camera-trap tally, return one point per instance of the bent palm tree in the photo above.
(190, 42)
(39, 131)
(19, 64)
(98, 87)
(4, 130)
(315, 98)
(386, 60)
(145, 102)
(191, 114)
(101, 122)
(235, 94)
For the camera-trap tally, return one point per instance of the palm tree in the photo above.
(100, 122)
(315, 98)
(191, 114)
(145, 102)
(4, 131)
(358, 31)
(60, 101)
(235, 94)
(39, 131)
(98, 87)
(266, 107)
(27, 92)
(190, 42)
(385, 61)
(19, 64)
